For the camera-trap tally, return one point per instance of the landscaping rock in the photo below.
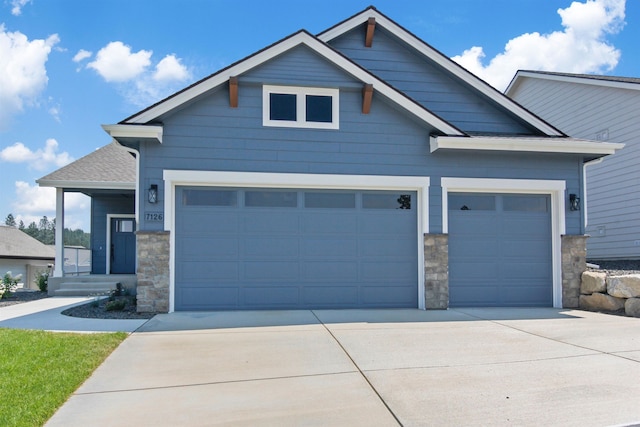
(601, 302)
(632, 307)
(624, 286)
(593, 282)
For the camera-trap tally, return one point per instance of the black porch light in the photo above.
(574, 202)
(153, 193)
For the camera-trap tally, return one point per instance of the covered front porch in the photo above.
(108, 177)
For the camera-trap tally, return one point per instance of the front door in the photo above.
(123, 246)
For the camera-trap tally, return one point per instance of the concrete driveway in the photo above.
(368, 368)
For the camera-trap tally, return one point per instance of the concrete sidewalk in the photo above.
(46, 314)
(368, 367)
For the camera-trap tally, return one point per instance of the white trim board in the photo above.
(553, 188)
(521, 75)
(175, 178)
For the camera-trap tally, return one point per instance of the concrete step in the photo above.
(77, 289)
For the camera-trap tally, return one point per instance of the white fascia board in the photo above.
(134, 131)
(536, 145)
(284, 46)
(522, 75)
(444, 62)
(91, 185)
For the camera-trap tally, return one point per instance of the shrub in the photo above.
(42, 280)
(117, 305)
(9, 284)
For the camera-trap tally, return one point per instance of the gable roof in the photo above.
(631, 83)
(16, 244)
(302, 37)
(442, 60)
(109, 167)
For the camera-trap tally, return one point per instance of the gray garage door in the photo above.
(289, 249)
(500, 250)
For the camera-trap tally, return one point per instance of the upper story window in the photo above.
(300, 107)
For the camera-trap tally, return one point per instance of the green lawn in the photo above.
(40, 370)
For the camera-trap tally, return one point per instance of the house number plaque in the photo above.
(153, 216)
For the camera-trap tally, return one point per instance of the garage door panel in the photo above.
(385, 270)
(201, 223)
(265, 296)
(271, 223)
(526, 270)
(287, 255)
(339, 294)
(331, 270)
(271, 247)
(324, 247)
(526, 248)
(478, 246)
(471, 268)
(270, 270)
(477, 224)
(475, 294)
(523, 226)
(525, 295)
(211, 249)
(329, 223)
(208, 271)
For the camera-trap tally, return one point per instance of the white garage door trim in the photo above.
(553, 188)
(175, 178)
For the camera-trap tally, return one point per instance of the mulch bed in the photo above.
(20, 296)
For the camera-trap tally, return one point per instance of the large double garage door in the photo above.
(500, 251)
(291, 248)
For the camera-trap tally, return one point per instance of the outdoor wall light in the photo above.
(574, 202)
(153, 193)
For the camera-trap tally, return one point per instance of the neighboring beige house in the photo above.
(602, 108)
(22, 254)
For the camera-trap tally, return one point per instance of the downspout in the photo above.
(584, 188)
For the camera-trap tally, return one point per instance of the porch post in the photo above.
(58, 270)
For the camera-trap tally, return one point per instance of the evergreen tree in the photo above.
(10, 220)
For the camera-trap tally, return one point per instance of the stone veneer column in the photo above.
(153, 271)
(436, 271)
(574, 263)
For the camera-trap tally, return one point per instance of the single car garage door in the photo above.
(500, 250)
(292, 248)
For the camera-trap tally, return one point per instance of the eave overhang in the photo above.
(87, 185)
(134, 133)
(525, 144)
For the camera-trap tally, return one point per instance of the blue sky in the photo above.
(68, 66)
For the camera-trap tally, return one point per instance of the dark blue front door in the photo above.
(123, 246)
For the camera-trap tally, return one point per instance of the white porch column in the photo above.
(58, 270)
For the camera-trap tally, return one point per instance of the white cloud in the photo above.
(23, 75)
(40, 159)
(17, 5)
(580, 48)
(116, 63)
(33, 202)
(82, 55)
(170, 69)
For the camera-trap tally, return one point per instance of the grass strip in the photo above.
(40, 370)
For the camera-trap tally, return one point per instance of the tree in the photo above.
(10, 220)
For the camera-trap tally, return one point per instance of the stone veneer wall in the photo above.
(153, 271)
(574, 263)
(436, 271)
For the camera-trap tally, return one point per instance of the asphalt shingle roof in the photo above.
(15, 243)
(109, 164)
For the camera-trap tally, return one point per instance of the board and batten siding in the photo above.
(101, 206)
(424, 81)
(613, 186)
(209, 135)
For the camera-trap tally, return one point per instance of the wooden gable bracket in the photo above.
(371, 26)
(367, 96)
(233, 92)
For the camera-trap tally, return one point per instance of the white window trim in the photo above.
(175, 178)
(555, 189)
(301, 107)
(108, 248)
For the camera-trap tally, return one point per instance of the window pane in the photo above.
(209, 198)
(124, 226)
(319, 109)
(533, 203)
(472, 202)
(330, 200)
(271, 199)
(386, 201)
(282, 106)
